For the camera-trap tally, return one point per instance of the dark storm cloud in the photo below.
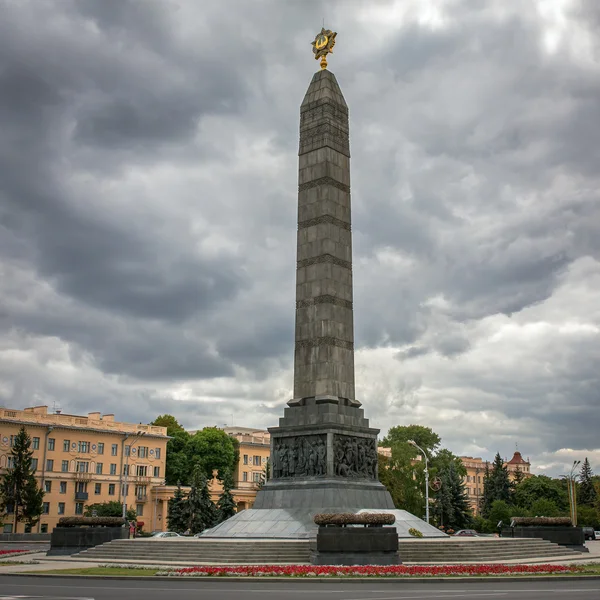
(147, 210)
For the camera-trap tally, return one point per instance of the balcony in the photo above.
(141, 498)
(81, 495)
(140, 479)
(81, 476)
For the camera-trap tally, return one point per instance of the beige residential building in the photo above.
(81, 460)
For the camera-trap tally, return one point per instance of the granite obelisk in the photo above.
(323, 452)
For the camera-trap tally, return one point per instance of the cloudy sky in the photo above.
(148, 178)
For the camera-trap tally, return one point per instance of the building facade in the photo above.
(83, 460)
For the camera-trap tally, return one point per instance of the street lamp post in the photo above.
(138, 436)
(572, 499)
(413, 443)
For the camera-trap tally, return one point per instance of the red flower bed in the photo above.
(369, 571)
(5, 552)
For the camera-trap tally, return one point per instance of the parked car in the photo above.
(165, 534)
(588, 533)
(597, 535)
(466, 533)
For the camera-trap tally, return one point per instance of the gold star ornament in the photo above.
(323, 45)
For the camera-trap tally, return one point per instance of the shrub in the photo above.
(90, 522)
(354, 519)
(541, 522)
(415, 532)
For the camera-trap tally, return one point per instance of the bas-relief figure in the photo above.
(300, 456)
(354, 457)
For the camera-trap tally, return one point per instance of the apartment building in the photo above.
(82, 460)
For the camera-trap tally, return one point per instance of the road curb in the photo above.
(324, 580)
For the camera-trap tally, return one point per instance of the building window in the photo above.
(125, 469)
(66, 445)
(81, 486)
(257, 461)
(125, 489)
(156, 471)
(49, 465)
(99, 467)
(78, 508)
(143, 451)
(64, 467)
(140, 492)
(83, 447)
(63, 487)
(97, 488)
(10, 462)
(256, 477)
(47, 486)
(51, 444)
(83, 466)
(245, 476)
(46, 508)
(245, 459)
(34, 464)
(139, 510)
(111, 489)
(44, 528)
(35, 443)
(113, 469)
(114, 449)
(157, 453)
(142, 471)
(8, 527)
(127, 450)
(100, 448)
(61, 508)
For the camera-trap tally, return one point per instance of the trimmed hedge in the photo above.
(540, 522)
(90, 522)
(354, 519)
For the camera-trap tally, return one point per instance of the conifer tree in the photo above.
(226, 505)
(19, 489)
(177, 516)
(202, 513)
(452, 504)
(497, 485)
(587, 491)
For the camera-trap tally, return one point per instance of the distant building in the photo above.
(81, 460)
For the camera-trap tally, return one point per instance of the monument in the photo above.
(323, 452)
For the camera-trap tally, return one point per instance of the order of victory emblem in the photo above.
(323, 45)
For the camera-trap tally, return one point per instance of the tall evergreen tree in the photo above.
(496, 486)
(19, 489)
(226, 504)
(177, 516)
(202, 513)
(587, 491)
(452, 504)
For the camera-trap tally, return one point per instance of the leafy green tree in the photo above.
(451, 505)
(177, 515)
(544, 508)
(213, 449)
(226, 505)
(178, 465)
(442, 460)
(587, 492)
(170, 422)
(500, 510)
(541, 487)
(404, 481)
(19, 489)
(588, 516)
(202, 513)
(496, 485)
(423, 436)
(109, 509)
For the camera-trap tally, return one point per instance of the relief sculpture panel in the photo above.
(355, 456)
(301, 456)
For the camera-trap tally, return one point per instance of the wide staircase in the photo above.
(205, 551)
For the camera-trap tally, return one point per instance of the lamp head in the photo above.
(411, 442)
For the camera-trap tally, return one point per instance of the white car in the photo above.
(597, 535)
(165, 534)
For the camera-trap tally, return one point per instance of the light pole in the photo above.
(572, 500)
(138, 436)
(413, 443)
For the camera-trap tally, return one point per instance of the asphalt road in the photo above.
(104, 589)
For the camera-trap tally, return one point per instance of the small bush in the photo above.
(90, 522)
(540, 522)
(415, 532)
(354, 519)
